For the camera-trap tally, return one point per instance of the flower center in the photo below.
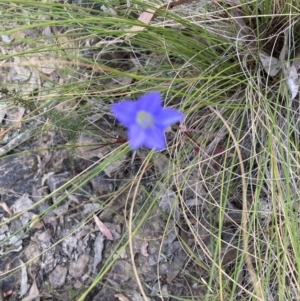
(144, 119)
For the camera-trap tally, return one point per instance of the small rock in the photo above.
(45, 236)
(5, 38)
(113, 167)
(32, 253)
(49, 258)
(58, 276)
(102, 184)
(15, 174)
(121, 271)
(79, 267)
(78, 285)
(90, 207)
(57, 180)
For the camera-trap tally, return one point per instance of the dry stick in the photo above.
(257, 287)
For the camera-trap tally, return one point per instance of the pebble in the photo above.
(79, 267)
(45, 236)
(14, 176)
(102, 184)
(32, 253)
(78, 285)
(58, 276)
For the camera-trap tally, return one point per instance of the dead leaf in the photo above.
(22, 204)
(270, 64)
(98, 248)
(35, 222)
(59, 210)
(115, 166)
(144, 248)
(48, 67)
(167, 200)
(170, 244)
(292, 81)
(24, 279)
(162, 164)
(47, 32)
(90, 207)
(105, 231)
(6, 208)
(33, 292)
(121, 297)
(19, 73)
(172, 269)
(290, 72)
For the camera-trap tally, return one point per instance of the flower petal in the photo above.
(166, 117)
(150, 102)
(136, 136)
(155, 138)
(125, 112)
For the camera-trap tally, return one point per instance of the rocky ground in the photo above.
(53, 248)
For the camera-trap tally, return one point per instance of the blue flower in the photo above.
(146, 120)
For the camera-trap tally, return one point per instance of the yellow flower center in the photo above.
(144, 119)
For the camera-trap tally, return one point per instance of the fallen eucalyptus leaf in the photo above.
(105, 231)
(34, 294)
(270, 64)
(292, 81)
